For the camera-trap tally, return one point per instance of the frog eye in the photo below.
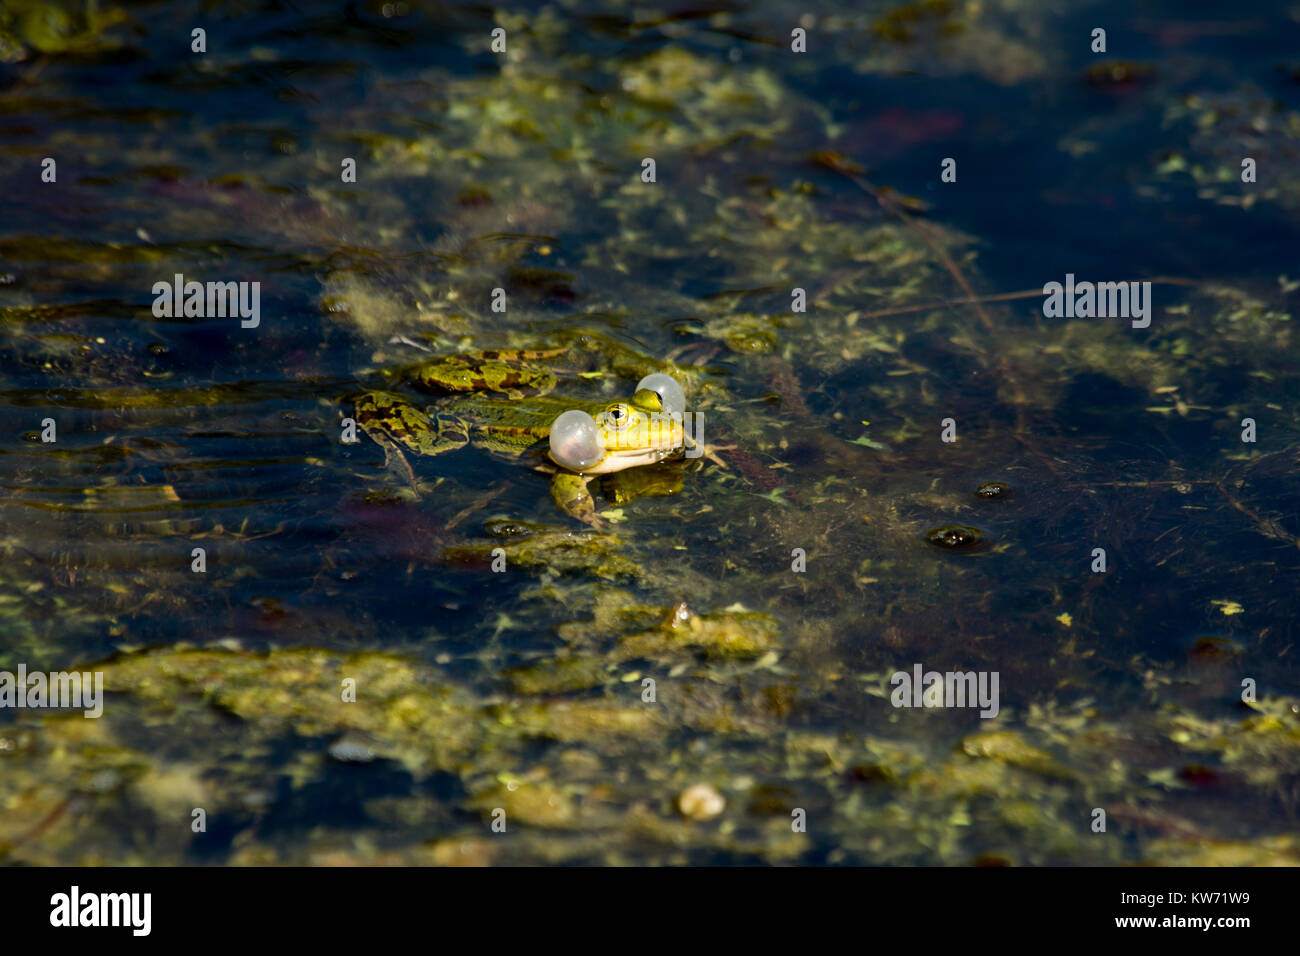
(575, 440)
(618, 417)
(669, 391)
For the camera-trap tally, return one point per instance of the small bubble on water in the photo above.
(955, 537)
(351, 751)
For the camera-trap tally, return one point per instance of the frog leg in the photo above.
(520, 355)
(374, 412)
(711, 453)
(572, 495)
(708, 451)
(653, 481)
(449, 433)
(394, 423)
(391, 451)
(510, 373)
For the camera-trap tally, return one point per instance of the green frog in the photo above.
(499, 401)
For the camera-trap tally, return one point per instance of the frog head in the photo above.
(626, 434)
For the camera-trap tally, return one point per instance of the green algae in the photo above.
(724, 635)
(554, 551)
(893, 799)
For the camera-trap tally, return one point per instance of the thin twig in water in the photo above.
(478, 503)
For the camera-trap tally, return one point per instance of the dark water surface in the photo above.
(524, 691)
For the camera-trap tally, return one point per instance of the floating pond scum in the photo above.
(359, 506)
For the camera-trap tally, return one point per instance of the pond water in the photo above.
(312, 650)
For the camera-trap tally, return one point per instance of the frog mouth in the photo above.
(624, 458)
(660, 438)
